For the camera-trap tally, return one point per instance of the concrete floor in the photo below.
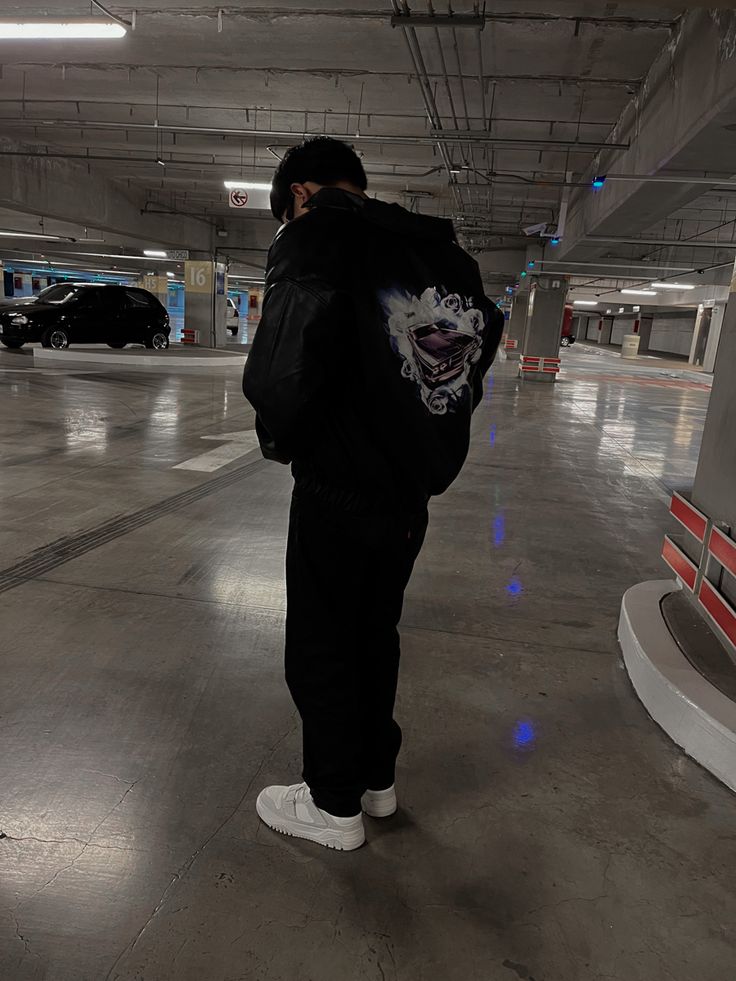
(548, 830)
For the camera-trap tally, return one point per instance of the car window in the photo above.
(96, 299)
(139, 299)
(60, 293)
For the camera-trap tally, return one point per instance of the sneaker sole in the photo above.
(344, 842)
(380, 808)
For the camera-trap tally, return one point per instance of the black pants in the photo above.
(345, 581)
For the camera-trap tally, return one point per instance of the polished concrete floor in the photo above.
(548, 830)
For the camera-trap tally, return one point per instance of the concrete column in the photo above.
(2, 280)
(544, 322)
(604, 334)
(645, 332)
(714, 337)
(158, 285)
(715, 480)
(517, 323)
(206, 299)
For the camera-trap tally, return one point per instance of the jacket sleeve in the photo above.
(287, 369)
(491, 339)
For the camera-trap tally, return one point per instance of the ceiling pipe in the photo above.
(671, 179)
(430, 105)
(202, 164)
(418, 20)
(663, 243)
(437, 135)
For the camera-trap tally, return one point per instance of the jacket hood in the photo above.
(390, 217)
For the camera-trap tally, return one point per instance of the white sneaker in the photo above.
(292, 811)
(379, 803)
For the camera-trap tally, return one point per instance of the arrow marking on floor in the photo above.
(234, 446)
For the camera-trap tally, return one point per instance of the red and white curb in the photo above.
(692, 711)
(704, 570)
(547, 366)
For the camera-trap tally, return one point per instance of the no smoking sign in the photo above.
(238, 197)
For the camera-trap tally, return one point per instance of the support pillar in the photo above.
(544, 322)
(205, 310)
(606, 330)
(645, 332)
(680, 688)
(517, 325)
(714, 491)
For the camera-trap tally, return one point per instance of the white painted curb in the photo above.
(138, 360)
(697, 716)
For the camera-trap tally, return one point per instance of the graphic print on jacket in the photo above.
(438, 337)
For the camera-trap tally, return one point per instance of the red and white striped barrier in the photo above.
(704, 577)
(545, 365)
(511, 344)
(189, 336)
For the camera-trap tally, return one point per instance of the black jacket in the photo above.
(370, 354)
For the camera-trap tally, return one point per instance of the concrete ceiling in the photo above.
(232, 86)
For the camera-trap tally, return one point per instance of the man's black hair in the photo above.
(320, 159)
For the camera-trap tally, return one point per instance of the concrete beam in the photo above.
(76, 194)
(680, 120)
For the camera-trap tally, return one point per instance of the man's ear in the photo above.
(302, 194)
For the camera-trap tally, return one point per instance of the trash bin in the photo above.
(630, 346)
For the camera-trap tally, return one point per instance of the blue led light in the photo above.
(492, 435)
(554, 241)
(515, 587)
(524, 734)
(499, 531)
(598, 182)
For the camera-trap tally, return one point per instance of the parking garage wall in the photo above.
(672, 331)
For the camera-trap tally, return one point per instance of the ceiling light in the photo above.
(55, 30)
(49, 238)
(555, 241)
(155, 253)
(598, 182)
(640, 292)
(585, 303)
(170, 275)
(673, 286)
(246, 186)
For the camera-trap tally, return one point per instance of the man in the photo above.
(365, 370)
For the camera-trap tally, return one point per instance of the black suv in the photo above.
(86, 313)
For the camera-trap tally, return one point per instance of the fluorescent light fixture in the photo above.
(640, 292)
(170, 275)
(57, 30)
(672, 286)
(155, 253)
(247, 186)
(585, 303)
(48, 238)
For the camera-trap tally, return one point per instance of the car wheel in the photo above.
(565, 342)
(55, 338)
(116, 344)
(158, 340)
(13, 345)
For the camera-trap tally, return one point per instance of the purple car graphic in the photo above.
(441, 351)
